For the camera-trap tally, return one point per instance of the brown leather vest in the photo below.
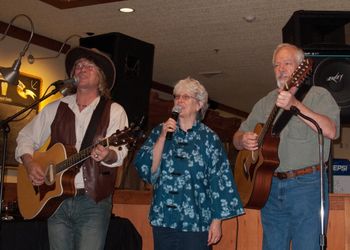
(99, 180)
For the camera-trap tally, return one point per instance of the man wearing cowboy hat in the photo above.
(80, 120)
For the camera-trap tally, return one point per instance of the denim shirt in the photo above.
(193, 184)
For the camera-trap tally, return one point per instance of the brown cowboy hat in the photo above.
(97, 57)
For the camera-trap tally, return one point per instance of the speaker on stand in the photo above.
(133, 60)
(324, 36)
(332, 72)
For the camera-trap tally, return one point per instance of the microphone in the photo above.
(174, 114)
(66, 85)
(296, 111)
(72, 82)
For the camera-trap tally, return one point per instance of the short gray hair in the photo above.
(299, 56)
(197, 90)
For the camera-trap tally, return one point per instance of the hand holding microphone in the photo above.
(174, 115)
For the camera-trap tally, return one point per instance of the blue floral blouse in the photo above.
(194, 183)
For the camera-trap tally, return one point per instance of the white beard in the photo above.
(280, 84)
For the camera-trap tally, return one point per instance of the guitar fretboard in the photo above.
(79, 157)
(267, 125)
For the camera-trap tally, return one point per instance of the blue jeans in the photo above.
(171, 239)
(80, 224)
(292, 213)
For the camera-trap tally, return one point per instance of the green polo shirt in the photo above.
(299, 144)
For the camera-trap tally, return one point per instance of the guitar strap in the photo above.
(284, 118)
(96, 117)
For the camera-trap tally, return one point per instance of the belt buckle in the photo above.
(285, 175)
(291, 174)
(281, 175)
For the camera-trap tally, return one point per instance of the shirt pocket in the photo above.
(296, 129)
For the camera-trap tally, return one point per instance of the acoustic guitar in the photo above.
(254, 169)
(42, 201)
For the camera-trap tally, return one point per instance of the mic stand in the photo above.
(323, 237)
(6, 130)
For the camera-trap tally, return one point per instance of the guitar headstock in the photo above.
(128, 136)
(300, 74)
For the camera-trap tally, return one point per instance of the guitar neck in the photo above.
(271, 118)
(298, 76)
(78, 157)
(267, 125)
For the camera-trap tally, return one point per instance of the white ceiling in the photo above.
(190, 36)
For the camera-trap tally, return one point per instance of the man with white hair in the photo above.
(291, 215)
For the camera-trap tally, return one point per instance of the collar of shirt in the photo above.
(195, 126)
(72, 104)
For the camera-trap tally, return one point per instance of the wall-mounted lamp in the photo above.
(11, 74)
(31, 58)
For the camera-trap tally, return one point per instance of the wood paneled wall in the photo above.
(134, 206)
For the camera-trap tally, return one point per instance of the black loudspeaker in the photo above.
(317, 29)
(323, 37)
(332, 71)
(133, 60)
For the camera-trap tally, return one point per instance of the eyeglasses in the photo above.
(183, 97)
(87, 66)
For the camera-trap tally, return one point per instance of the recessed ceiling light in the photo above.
(126, 10)
(249, 18)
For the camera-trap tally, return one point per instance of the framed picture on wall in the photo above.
(14, 98)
